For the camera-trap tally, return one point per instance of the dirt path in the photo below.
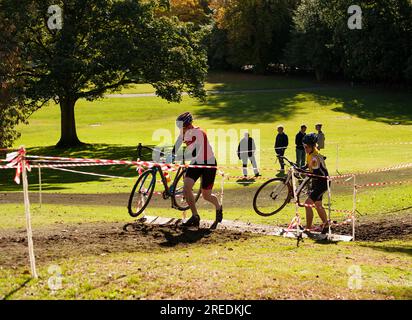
(113, 199)
(59, 241)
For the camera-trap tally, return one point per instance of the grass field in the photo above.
(365, 129)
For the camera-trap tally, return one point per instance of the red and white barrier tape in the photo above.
(67, 165)
(121, 162)
(16, 160)
(150, 163)
(379, 184)
(7, 167)
(296, 222)
(166, 167)
(92, 173)
(335, 210)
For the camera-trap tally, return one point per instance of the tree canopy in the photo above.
(256, 32)
(102, 45)
(12, 110)
(380, 51)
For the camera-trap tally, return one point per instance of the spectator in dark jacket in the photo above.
(246, 151)
(281, 144)
(300, 150)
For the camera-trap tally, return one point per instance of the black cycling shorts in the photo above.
(317, 190)
(208, 176)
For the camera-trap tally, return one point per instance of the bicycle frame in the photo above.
(158, 169)
(289, 181)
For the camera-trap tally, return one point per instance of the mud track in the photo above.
(61, 241)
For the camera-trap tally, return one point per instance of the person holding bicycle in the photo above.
(200, 150)
(315, 163)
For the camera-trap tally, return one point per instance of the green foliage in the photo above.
(379, 51)
(9, 118)
(103, 45)
(256, 31)
(312, 46)
(12, 111)
(195, 11)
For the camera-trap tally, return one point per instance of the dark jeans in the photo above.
(281, 153)
(300, 157)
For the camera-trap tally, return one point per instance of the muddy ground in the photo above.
(60, 241)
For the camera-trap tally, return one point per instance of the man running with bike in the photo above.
(200, 150)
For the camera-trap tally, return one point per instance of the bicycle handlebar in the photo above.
(294, 165)
(290, 162)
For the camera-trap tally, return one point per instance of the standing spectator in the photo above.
(281, 144)
(300, 150)
(321, 136)
(246, 151)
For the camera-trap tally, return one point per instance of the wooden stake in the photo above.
(329, 208)
(28, 221)
(337, 158)
(354, 207)
(40, 190)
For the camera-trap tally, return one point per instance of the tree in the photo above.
(257, 31)
(312, 46)
(195, 11)
(12, 110)
(103, 45)
(379, 51)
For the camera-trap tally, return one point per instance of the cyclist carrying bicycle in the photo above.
(315, 163)
(200, 150)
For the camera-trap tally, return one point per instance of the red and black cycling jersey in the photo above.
(198, 148)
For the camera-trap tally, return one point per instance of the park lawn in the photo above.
(279, 271)
(365, 129)
(362, 126)
(218, 268)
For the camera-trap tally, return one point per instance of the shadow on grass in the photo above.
(231, 81)
(249, 107)
(398, 210)
(385, 106)
(390, 248)
(187, 236)
(55, 180)
(382, 106)
(245, 181)
(21, 286)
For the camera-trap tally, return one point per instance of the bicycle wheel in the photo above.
(272, 196)
(178, 200)
(142, 193)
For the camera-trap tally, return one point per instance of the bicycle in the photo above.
(278, 192)
(144, 187)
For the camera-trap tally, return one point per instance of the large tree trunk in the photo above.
(68, 137)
